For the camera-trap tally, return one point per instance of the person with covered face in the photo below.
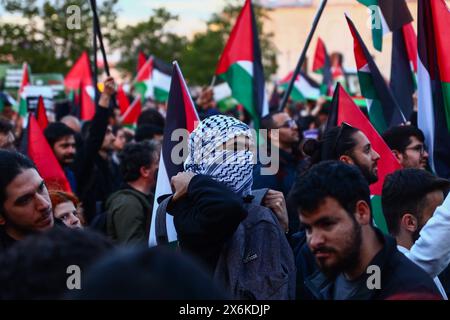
(212, 201)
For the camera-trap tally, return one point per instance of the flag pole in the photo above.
(100, 37)
(95, 75)
(213, 82)
(301, 61)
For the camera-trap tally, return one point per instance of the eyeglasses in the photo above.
(420, 148)
(344, 126)
(288, 124)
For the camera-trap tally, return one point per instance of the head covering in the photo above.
(207, 155)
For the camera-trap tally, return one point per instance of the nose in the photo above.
(315, 239)
(375, 155)
(42, 203)
(73, 220)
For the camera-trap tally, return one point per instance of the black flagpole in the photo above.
(303, 55)
(95, 75)
(100, 37)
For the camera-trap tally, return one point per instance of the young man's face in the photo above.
(68, 214)
(365, 157)
(415, 155)
(120, 140)
(108, 140)
(27, 207)
(65, 149)
(288, 130)
(333, 237)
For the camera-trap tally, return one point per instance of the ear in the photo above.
(346, 159)
(398, 155)
(409, 222)
(145, 172)
(363, 213)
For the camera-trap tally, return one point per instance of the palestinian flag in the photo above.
(386, 16)
(153, 80)
(343, 109)
(384, 111)
(26, 81)
(79, 78)
(241, 67)
(434, 82)
(224, 98)
(36, 147)
(132, 113)
(304, 88)
(181, 114)
(41, 114)
(404, 68)
(322, 65)
(141, 60)
(122, 100)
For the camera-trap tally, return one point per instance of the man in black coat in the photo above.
(355, 260)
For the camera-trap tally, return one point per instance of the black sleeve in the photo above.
(85, 160)
(214, 212)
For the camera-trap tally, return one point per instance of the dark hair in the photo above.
(134, 156)
(36, 267)
(143, 273)
(267, 121)
(147, 132)
(336, 142)
(11, 165)
(56, 131)
(398, 138)
(5, 126)
(85, 128)
(152, 117)
(342, 182)
(404, 191)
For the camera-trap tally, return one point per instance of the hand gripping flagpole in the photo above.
(303, 55)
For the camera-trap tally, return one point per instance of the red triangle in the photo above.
(349, 112)
(319, 56)
(41, 114)
(122, 100)
(411, 43)
(141, 60)
(80, 72)
(25, 78)
(133, 112)
(87, 104)
(42, 155)
(360, 57)
(441, 17)
(145, 73)
(240, 43)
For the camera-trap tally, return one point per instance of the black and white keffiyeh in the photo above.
(208, 156)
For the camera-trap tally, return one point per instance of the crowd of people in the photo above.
(306, 232)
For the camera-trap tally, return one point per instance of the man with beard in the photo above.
(408, 146)
(419, 218)
(349, 145)
(25, 206)
(355, 259)
(61, 139)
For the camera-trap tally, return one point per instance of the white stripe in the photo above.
(247, 66)
(161, 80)
(162, 188)
(307, 90)
(222, 91)
(425, 112)
(369, 104)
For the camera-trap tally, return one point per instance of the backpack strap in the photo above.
(160, 222)
(258, 195)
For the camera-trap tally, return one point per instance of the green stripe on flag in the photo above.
(241, 84)
(377, 214)
(446, 93)
(141, 88)
(376, 115)
(366, 85)
(160, 95)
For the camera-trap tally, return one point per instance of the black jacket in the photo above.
(96, 177)
(398, 274)
(5, 240)
(206, 218)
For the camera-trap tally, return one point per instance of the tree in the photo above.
(151, 37)
(45, 41)
(200, 57)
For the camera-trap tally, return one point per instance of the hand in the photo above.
(108, 91)
(180, 184)
(275, 201)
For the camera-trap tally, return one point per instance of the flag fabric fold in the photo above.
(181, 114)
(153, 80)
(322, 65)
(241, 67)
(26, 81)
(41, 114)
(434, 82)
(304, 88)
